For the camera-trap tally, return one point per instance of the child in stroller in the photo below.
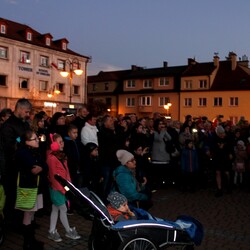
(146, 232)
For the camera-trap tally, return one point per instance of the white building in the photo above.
(30, 65)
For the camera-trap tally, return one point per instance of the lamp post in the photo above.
(167, 107)
(74, 68)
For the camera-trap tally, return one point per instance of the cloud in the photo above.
(94, 68)
(11, 1)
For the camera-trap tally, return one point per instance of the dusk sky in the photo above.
(119, 33)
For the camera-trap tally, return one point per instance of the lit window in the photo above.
(24, 57)
(202, 102)
(64, 46)
(44, 61)
(163, 101)
(43, 85)
(76, 90)
(60, 87)
(188, 102)
(130, 102)
(148, 83)
(233, 101)
(145, 101)
(3, 80)
(203, 84)
(218, 101)
(23, 83)
(3, 52)
(131, 84)
(3, 29)
(188, 84)
(164, 81)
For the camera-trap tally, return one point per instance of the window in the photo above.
(23, 83)
(148, 83)
(48, 41)
(64, 46)
(3, 52)
(130, 102)
(145, 101)
(76, 90)
(188, 102)
(29, 36)
(106, 86)
(94, 88)
(44, 61)
(163, 101)
(203, 84)
(61, 64)
(3, 80)
(233, 101)
(43, 85)
(108, 102)
(24, 57)
(60, 87)
(131, 84)
(3, 29)
(202, 102)
(234, 119)
(218, 101)
(164, 81)
(188, 84)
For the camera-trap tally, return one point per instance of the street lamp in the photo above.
(167, 107)
(74, 68)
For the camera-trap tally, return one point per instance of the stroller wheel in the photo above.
(138, 243)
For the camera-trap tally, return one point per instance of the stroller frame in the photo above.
(150, 233)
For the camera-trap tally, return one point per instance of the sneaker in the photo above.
(55, 236)
(72, 234)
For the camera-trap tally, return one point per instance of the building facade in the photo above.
(211, 89)
(30, 65)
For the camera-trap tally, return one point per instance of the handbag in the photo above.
(26, 197)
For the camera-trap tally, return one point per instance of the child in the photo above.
(57, 163)
(118, 207)
(240, 161)
(189, 166)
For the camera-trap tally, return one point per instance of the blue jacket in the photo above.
(127, 184)
(189, 160)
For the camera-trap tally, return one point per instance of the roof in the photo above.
(228, 79)
(199, 69)
(17, 31)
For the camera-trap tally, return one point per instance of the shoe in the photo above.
(55, 236)
(72, 234)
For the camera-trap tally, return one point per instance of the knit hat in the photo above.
(116, 199)
(123, 156)
(219, 130)
(240, 142)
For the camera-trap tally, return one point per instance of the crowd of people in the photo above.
(126, 154)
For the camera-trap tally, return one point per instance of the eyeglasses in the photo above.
(34, 139)
(133, 160)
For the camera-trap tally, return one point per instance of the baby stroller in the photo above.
(145, 233)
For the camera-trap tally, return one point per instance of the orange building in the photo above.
(201, 89)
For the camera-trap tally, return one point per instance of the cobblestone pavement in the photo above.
(226, 220)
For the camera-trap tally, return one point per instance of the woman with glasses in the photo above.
(30, 165)
(126, 183)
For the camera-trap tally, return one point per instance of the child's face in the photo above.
(73, 133)
(60, 141)
(94, 152)
(124, 208)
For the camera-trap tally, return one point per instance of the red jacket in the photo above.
(56, 167)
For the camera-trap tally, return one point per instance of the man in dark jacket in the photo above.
(11, 132)
(108, 145)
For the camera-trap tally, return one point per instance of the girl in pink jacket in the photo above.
(57, 163)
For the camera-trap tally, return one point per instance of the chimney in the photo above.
(165, 64)
(133, 67)
(216, 61)
(233, 58)
(191, 61)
